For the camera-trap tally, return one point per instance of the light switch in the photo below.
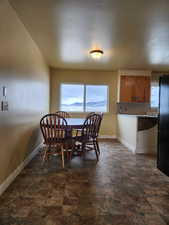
(4, 106)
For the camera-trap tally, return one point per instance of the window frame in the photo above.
(84, 96)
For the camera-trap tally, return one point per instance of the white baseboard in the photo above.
(107, 137)
(126, 144)
(17, 171)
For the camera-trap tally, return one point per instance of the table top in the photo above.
(75, 121)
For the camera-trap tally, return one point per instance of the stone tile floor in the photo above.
(121, 189)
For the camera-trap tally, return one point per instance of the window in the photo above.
(155, 91)
(96, 98)
(83, 98)
(154, 96)
(72, 97)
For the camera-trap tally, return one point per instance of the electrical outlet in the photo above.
(4, 106)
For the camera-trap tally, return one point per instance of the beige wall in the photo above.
(87, 77)
(24, 73)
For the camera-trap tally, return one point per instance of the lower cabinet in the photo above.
(138, 133)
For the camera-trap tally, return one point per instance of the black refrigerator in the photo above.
(163, 126)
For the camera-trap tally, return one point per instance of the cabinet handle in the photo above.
(135, 98)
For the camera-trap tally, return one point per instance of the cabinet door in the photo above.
(147, 89)
(141, 89)
(135, 89)
(126, 88)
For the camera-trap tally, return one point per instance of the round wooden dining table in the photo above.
(75, 123)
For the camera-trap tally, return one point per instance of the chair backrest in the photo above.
(89, 114)
(63, 114)
(101, 114)
(53, 128)
(91, 126)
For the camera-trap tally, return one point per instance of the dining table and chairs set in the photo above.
(69, 137)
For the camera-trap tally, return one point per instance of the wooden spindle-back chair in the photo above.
(89, 133)
(63, 114)
(90, 113)
(54, 129)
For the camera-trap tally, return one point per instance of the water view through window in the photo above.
(84, 98)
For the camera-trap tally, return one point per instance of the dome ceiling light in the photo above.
(96, 54)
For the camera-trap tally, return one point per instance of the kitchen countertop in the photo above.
(139, 115)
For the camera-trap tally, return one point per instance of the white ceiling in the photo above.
(132, 33)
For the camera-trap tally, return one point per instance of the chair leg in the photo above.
(96, 151)
(83, 149)
(67, 152)
(98, 148)
(63, 160)
(71, 151)
(45, 154)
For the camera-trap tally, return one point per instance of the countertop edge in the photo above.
(138, 115)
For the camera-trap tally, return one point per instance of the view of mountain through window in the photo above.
(84, 98)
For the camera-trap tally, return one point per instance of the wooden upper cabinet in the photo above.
(135, 89)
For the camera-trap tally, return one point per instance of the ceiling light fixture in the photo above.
(96, 54)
